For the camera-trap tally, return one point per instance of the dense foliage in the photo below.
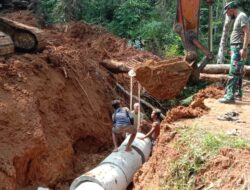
(146, 24)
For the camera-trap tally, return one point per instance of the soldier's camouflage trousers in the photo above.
(234, 83)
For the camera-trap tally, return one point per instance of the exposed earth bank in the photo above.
(55, 112)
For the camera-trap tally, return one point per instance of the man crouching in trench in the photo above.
(122, 124)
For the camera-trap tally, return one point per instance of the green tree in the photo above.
(149, 21)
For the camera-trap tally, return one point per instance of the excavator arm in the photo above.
(187, 26)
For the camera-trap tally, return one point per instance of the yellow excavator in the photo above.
(163, 80)
(20, 37)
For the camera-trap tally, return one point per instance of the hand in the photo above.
(243, 53)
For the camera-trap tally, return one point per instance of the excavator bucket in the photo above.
(6, 44)
(165, 79)
(25, 38)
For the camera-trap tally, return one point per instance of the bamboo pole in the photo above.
(139, 109)
(131, 93)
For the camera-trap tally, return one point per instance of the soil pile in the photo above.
(164, 79)
(230, 169)
(44, 115)
(155, 171)
(25, 17)
(197, 107)
(55, 113)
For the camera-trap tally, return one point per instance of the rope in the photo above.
(131, 93)
(139, 109)
(132, 74)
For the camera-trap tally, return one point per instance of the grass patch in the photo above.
(216, 142)
(198, 146)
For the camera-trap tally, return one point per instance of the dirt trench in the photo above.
(45, 118)
(55, 112)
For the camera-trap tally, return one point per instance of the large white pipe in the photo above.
(90, 186)
(116, 171)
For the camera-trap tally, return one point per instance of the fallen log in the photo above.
(219, 78)
(222, 69)
(213, 77)
(115, 66)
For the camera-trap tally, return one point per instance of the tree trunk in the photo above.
(115, 66)
(218, 78)
(213, 77)
(222, 69)
(227, 26)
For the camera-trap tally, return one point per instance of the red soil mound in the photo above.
(229, 170)
(25, 17)
(156, 170)
(197, 107)
(44, 116)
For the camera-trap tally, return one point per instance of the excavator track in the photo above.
(25, 38)
(6, 44)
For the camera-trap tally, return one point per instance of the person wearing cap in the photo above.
(239, 41)
(122, 123)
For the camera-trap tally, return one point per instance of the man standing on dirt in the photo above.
(239, 48)
(155, 126)
(122, 123)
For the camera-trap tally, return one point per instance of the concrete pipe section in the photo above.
(116, 171)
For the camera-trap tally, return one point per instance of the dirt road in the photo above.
(214, 121)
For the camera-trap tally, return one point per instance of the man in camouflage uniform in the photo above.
(239, 48)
